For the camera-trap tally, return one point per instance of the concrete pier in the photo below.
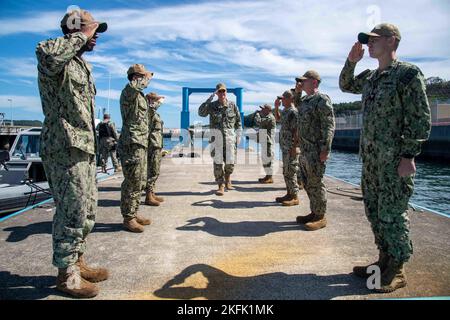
(239, 246)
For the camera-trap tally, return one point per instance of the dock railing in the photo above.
(440, 116)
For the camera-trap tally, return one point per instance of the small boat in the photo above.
(23, 182)
(22, 177)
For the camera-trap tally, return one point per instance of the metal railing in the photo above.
(440, 116)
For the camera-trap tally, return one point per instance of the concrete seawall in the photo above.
(437, 148)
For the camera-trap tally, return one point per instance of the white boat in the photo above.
(22, 177)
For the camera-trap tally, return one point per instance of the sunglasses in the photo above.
(222, 91)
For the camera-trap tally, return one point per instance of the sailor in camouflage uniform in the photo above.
(315, 130)
(133, 144)
(288, 144)
(107, 141)
(266, 122)
(225, 125)
(68, 146)
(396, 121)
(155, 145)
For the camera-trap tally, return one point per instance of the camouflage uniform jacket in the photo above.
(298, 98)
(134, 110)
(396, 113)
(67, 93)
(227, 118)
(155, 127)
(289, 118)
(316, 123)
(269, 124)
(112, 127)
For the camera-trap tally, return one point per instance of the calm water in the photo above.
(432, 182)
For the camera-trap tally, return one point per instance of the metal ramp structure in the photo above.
(187, 91)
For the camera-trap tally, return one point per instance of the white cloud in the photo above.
(27, 103)
(19, 67)
(35, 22)
(259, 45)
(112, 94)
(112, 64)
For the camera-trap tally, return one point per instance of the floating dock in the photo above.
(240, 246)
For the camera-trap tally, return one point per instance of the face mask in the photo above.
(140, 83)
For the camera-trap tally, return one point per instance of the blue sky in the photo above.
(258, 45)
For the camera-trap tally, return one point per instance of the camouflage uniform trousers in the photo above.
(134, 168)
(386, 197)
(223, 166)
(312, 171)
(71, 177)
(106, 146)
(267, 156)
(290, 168)
(300, 177)
(153, 167)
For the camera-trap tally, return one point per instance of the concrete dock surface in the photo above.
(243, 245)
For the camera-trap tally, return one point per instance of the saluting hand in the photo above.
(357, 53)
(89, 29)
(324, 156)
(211, 97)
(277, 103)
(406, 167)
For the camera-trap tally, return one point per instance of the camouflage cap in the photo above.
(266, 106)
(287, 94)
(139, 69)
(220, 86)
(74, 19)
(311, 74)
(153, 96)
(381, 30)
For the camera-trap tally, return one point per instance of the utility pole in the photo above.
(12, 112)
(109, 88)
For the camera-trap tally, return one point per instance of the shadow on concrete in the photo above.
(234, 182)
(238, 229)
(219, 204)
(22, 233)
(185, 193)
(270, 286)
(107, 203)
(109, 189)
(258, 188)
(15, 287)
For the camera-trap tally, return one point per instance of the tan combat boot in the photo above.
(393, 277)
(159, 199)
(305, 219)
(150, 200)
(221, 190)
(318, 222)
(69, 281)
(361, 271)
(118, 169)
(228, 184)
(143, 221)
(293, 201)
(283, 198)
(91, 274)
(132, 225)
(266, 180)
